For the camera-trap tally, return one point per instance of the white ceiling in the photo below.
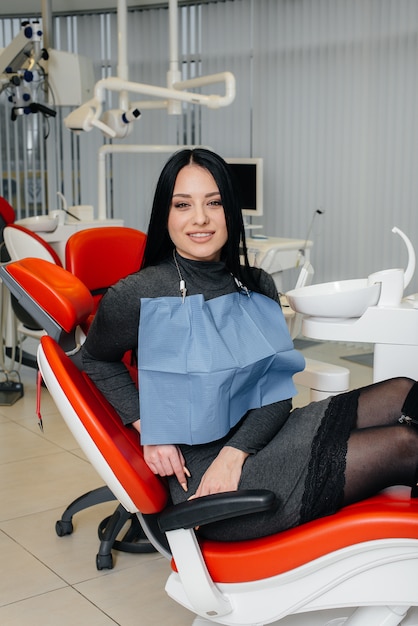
(27, 8)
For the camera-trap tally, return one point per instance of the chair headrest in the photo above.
(102, 256)
(43, 287)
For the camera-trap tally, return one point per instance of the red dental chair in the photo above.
(100, 257)
(355, 568)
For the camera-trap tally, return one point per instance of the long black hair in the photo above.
(159, 245)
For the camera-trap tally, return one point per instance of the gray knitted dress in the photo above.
(298, 454)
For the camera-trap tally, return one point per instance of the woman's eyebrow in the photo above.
(188, 195)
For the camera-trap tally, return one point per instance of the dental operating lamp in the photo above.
(116, 123)
(89, 114)
(17, 65)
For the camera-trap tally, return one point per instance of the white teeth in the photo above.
(200, 234)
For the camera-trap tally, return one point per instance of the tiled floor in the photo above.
(48, 580)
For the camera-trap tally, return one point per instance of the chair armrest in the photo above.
(215, 507)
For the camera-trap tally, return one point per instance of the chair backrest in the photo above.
(102, 256)
(22, 243)
(112, 449)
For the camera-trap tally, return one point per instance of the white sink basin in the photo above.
(39, 223)
(343, 298)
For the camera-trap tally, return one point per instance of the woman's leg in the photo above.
(381, 404)
(381, 451)
(380, 457)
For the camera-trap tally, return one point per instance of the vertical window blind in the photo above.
(326, 93)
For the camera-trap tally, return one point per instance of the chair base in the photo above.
(134, 539)
(362, 616)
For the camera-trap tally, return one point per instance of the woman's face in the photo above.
(196, 220)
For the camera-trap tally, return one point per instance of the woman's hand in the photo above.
(223, 474)
(166, 460)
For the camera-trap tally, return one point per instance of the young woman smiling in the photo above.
(215, 363)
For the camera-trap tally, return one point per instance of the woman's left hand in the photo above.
(223, 474)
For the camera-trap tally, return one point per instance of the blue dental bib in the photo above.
(203, 364)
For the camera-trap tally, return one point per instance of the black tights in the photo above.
(381, 452)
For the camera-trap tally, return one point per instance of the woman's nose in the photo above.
(201, 217)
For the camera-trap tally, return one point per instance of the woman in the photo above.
(215, 371)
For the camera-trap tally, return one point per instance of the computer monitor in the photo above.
(248, 174)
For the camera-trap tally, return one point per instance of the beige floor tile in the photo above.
(65, 607)
(18, 443)
(42, 483)
(137, 596)
(26, 406)
(54, 430)
(72, 557)
(331, 353)
(23, 576)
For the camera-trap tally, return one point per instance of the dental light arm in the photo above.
(119, 121)
(116, 123)
(86, 117)
(111, 124)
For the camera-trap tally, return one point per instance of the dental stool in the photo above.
(357, 567)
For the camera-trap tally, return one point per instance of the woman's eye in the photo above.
(215, 203)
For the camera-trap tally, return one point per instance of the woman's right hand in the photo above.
(167, 460)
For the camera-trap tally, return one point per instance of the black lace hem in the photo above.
(324, 485)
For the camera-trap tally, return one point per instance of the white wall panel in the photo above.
(327, 93)
(335, 115)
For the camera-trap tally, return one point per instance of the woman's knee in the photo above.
(407, 442)
(382, 403)
(404, 385)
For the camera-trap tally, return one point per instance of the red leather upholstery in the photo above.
(116, 442)
(64, 296)
(371, 519)
(102, 256)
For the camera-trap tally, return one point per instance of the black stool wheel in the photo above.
(63, 527)
(104, 561)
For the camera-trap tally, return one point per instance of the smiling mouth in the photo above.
(201, 236)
